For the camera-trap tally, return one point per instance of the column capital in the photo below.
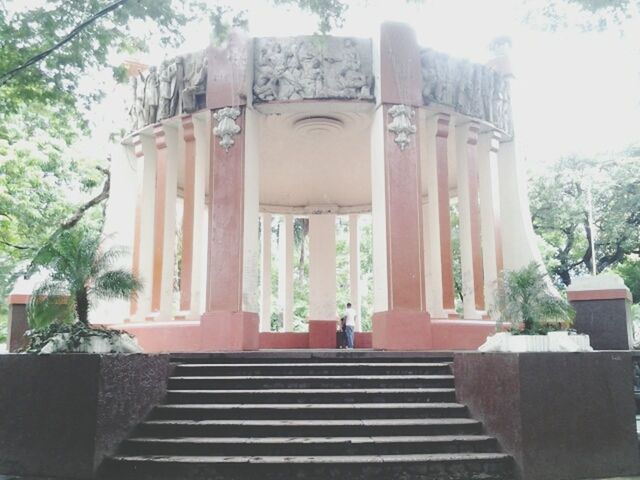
(492, 138)
(187, 128)
(443, 121)
(160, 136)
(137, 146)
(472, 132)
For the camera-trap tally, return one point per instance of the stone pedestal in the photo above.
(17, 324)
(602, 304)
(560, 415)
(229, 331)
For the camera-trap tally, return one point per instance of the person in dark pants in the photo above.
(349, 325)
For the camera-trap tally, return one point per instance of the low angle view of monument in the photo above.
(319, 127)
(308, 256)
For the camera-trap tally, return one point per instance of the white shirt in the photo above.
(351, 317)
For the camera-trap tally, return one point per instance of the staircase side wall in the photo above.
(562, 416)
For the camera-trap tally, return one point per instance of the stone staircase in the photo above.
(323, 415)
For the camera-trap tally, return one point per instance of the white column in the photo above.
(287, 273)
(490, 212)
(466, 218)
(265, 307)
(175, 151)
(519, 239)
(322, 267)
(251, 247)
(147, 210)
(431, 218)
(354, 267)
(379, 214)
(201, 132)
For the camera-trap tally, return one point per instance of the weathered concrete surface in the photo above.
(60, 415)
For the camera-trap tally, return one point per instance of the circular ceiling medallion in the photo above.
(318, 125)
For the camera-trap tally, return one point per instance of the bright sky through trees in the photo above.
(576, 91)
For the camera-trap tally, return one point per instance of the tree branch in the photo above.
(13, 245)
(6, 76)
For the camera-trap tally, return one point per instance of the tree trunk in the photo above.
(82, 305)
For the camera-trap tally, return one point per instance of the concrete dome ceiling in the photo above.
(314, 159)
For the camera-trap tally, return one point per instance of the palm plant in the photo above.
(80, 272)
(524, 299)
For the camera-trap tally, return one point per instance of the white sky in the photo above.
(574, 92)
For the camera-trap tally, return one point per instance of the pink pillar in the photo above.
(135, 254)
(406, 324)
(159, 216)
(188, 213)
(444, 216)
(225, 326)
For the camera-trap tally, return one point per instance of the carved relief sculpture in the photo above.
(151, 97)
(195, 82)
(309, 67)
(401, 125)
(226, 128)
(471, 89)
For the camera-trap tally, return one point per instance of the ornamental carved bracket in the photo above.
(400, 125)
(226, 128)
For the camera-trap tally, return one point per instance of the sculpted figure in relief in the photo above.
(297, 68)
(477, 104)
(171, 78)
(151, 97)
(464, 88)
(195, 81)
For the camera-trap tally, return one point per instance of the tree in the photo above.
(522, 298)
(560, 210)
(80, 271)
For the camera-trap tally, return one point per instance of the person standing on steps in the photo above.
(349, 325)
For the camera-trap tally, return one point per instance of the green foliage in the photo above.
(560, 213)
(78, 265)
(78, 332)
(523, 299)
(630, 273)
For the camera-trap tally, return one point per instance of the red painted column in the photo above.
(444, 215)
(158, 217)
(135, 254)
(188, 212)
(406, 324)
(225, 326)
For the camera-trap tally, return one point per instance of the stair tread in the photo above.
(307, 440)
(308, 406)
(323, 377)
(318, 390)
(414, 458)
(319, 364)
(315, 422)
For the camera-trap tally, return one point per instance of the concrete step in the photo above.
(312, 356)
(449, 466)
(326, 395)
(310, 446)
(306, 382)
(308, 411)
(313, 369)
(309, 428)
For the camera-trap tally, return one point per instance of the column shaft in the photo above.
(490, 211)
(147, 229)
(287, 273)
(265, 307)
(469, 211)
(135, 254)
(159, 216)
(354, 268)
(322, 267)
(188, 214)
